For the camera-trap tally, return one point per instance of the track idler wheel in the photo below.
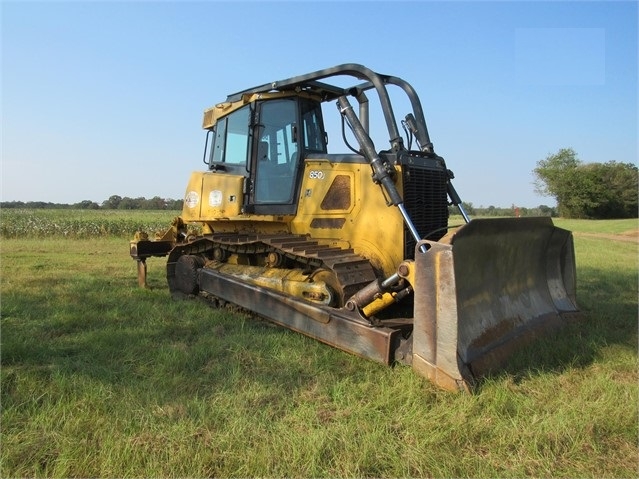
(186, 273)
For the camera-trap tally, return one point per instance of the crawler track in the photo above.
(350, 271)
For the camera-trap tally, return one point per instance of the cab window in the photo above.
(231, 138)
(314, 139)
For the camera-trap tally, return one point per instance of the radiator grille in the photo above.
(426, 202)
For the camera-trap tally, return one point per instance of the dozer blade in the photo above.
(484, 291)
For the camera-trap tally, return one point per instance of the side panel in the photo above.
(211, 196)
(340, 202)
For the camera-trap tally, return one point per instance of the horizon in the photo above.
(108, 96)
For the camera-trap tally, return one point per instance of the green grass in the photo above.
(621, 226)
(617, 226)
(102, 379)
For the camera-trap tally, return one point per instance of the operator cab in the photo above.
(266, 141)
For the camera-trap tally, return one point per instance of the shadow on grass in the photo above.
(608, 304)
(109, 330)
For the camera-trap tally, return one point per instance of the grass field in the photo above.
(102, 379)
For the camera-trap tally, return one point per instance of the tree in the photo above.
(87, 205)
(128, 204)
(593, 190)
(555, 176)
(174, 204)
(618, 186)
(155, 203)
(468, 208)
(545, 210)
(112, 203)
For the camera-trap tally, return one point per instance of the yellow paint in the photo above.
(212, 196)
(366, 224)
(371, 228)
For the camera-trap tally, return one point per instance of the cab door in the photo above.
(276, 159)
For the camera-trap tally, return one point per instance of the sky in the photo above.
(103, 98)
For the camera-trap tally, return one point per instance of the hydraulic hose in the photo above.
(380, 174)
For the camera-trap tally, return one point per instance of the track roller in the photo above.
(186, 273)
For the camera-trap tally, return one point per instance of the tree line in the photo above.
(581, 190)
(588, 190)
(115, 202)
(495, 211)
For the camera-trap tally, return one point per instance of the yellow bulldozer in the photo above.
(355, 249)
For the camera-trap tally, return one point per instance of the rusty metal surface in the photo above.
(336, 327)
(141, 267)
(142, 249)
(352, 271)
(499, 284)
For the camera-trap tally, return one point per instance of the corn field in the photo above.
(81, 224)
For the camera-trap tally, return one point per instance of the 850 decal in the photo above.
(316, 175)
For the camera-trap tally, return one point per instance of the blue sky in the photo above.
(104, 98)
